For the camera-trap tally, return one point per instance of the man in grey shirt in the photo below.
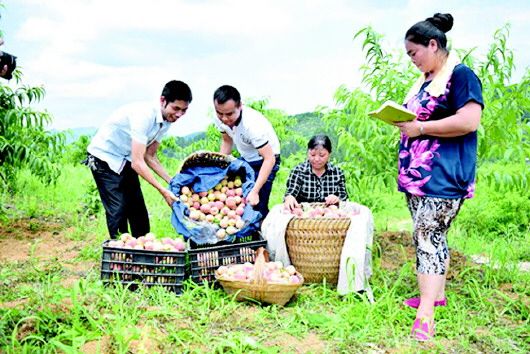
(124, 147)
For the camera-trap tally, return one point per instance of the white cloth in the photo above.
(356, 257)
(141, 121)
(438, 85)
(252, 133)
(273, 230)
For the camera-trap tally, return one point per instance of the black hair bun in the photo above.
(444, 22)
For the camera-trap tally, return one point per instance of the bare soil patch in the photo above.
(39, 238)
(43, 240)
(311, 343)
(151, 341)
(396, 249)
(102, 345)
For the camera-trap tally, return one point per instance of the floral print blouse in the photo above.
(441, 167)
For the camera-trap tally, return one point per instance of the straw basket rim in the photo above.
(258, 288)
(207, 158)
(319, 204)
(272, 293)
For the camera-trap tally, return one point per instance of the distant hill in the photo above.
(77, 132)
(309, 123)
(190, 138)
(73, 134)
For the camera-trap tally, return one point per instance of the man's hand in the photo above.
(253, 198)
(169, 197)
(226, 144)
(290, 203)
(332, 199)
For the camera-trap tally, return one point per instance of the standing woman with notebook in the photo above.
(437, 157)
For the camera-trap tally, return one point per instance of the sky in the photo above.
(93, 56)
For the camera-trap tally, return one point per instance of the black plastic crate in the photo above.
(204, 260)
(141, 267)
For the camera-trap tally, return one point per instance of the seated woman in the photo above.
(315, 180)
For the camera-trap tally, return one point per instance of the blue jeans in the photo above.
(122, 198)
(265, 191)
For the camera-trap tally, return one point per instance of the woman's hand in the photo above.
(464, 121)
(290, 203)
(411, 129)
(332, 199)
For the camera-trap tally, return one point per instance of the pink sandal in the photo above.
(414, 302)
(421, 331)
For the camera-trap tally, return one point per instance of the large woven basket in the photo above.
(260, 290)
(315, 246)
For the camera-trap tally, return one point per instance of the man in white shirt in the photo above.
(255, 140)
(124, 147)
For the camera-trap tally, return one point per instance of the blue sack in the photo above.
(202, 179)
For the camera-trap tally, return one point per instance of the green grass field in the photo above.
(52, 299)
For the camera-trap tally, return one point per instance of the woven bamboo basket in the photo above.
(315, 245)
(259, 289)
(207, 158)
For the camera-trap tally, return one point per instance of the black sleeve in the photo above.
(343, 194)
(294, 183)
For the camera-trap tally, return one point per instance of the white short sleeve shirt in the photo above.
(251, 133)
(142, 122)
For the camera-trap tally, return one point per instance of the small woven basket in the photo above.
(207, 158)
(259, 289)
(315, 245)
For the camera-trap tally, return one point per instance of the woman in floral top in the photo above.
(437, 157)
(316, 180)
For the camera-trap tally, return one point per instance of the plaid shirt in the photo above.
(307, 187)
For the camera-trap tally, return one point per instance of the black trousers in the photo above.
(122, 198)
(265, 191)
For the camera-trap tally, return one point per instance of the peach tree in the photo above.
(24, 141)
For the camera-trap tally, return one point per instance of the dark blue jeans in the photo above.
(122, 198)
(265, 192)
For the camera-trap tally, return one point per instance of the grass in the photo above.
(40, 311)
(204, 319)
